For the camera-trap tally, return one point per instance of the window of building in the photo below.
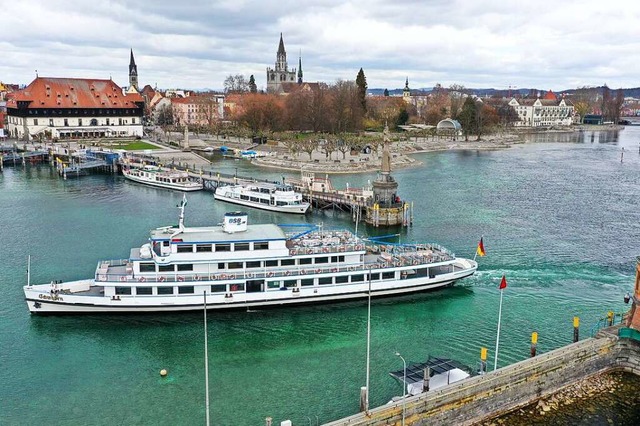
(388, 275)
(144, 291)
(305, 261)
(223, 247)
(80, 120)
(165, 290)
(66, 123)
(261, 246)
(204, 248)
(287, 262)
(187, 289)
(218, 288)
(290, 283)
(322, 260)
(165, 268)
(240, 247)
(375, 276)
(35, 121)
(357, 278)
(270, 263)
(325, 280)
(306, 282)
(235, 265)
(273, 284)
(253, 264)
(51, 122)
(185, 267)
(123, 290)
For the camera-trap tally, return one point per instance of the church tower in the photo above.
(406, 92)
(133, 72)
(280, 74)
(300, 68)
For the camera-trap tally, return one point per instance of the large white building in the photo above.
(74, 108)
(547, 111)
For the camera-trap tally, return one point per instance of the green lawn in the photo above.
(133, 145)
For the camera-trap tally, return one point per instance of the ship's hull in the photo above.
(41, 301)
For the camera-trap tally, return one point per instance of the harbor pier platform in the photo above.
(481, 398)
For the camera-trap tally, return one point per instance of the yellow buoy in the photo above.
(163, 372)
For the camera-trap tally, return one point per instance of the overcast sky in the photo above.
(197, 43)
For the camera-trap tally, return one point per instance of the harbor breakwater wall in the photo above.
(482, 397)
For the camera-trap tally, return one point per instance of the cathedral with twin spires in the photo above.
(281, 73)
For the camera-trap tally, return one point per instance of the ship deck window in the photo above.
(305, 261)
(253, 264)
(236, 287)
(165, 290)
(144, 291)
(165, 268)
(185, 289)
(223, 247)
(273, 284)
(147, 267)
(218, 288)
(185, 248)
(185, 267)
(306, 282)
(342, 279)
(241, 247)
(270, 263)
(221, 265)
(375, 276)
(335, 259)
(357, 278)
(388, 275)
(290, 283)
(204, 248)
(123, 290)
(287, 262)
(235, 265)
(264, 245)
(322, 260)
(325, 280)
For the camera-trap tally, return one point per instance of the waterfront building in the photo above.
(200, 110)
(281, 73)
(545, 111)
(60, 108)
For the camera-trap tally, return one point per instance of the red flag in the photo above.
(503, 283)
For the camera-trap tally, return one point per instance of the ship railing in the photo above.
(339, 248)
(264, 273)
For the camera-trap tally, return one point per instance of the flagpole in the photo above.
(206, 361)
(476, 254)
(495, 362)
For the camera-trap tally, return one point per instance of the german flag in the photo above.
(480, 250)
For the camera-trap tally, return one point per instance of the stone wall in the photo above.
(503, 390)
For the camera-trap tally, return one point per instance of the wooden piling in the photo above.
(534, 343)
(576, 332)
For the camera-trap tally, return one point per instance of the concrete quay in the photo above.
(484, 397)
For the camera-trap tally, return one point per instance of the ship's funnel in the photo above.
(234, 222)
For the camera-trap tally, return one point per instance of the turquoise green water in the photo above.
(561, 220)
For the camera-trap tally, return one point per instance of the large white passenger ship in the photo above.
(247, 266)
(155, 176)
(264, 195)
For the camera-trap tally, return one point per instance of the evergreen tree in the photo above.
(468, 117)
(361, 82)
(402, 118)
(386, 92)
(252, 84)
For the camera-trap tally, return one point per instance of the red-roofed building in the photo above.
(74, 108)
(550, 96)
(542, 112)
(200, 110)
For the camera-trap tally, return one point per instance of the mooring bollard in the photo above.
(425, 380)
(576, 325)
(483, 360)
(363, 398)
(534, 343)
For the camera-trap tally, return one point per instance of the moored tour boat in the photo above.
(263, 195)
(244, 266)
(156, 176)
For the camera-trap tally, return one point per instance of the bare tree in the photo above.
(236, 84)
(308, 146)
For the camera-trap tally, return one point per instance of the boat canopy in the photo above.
(415, 371)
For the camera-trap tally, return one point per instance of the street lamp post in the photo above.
(404, 385)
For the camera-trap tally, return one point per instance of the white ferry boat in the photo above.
(235, 265)
(264, 195)
(155, 176)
